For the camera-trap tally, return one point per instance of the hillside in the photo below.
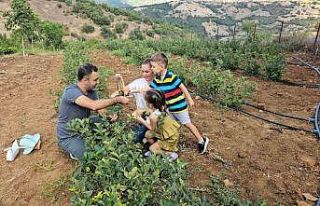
(106, 21)
(217, 18)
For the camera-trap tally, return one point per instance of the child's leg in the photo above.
(150, 137)
(156, 149)
(184, 119)
(193, 129)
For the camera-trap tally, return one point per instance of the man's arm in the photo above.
(187, 95)
(95, 105)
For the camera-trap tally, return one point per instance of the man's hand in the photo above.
(113, 117)
(126, 91)
(122, 100)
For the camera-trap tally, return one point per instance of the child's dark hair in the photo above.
(156, 98)
(160, 58)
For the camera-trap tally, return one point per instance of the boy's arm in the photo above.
(187, 95)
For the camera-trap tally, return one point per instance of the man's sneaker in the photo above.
(202, 148)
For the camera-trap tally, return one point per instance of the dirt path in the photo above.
(262, 159)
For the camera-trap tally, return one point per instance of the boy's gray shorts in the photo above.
(182, 117)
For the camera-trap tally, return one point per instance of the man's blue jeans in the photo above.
(140, 131)
(73, 145)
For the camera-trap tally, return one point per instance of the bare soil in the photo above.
(262, 159)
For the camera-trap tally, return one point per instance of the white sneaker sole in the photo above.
(205, 146)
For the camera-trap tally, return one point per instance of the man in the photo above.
(77, 101)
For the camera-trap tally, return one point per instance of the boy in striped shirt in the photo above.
(176, 95)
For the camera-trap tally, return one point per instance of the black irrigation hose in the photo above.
(277, 113)
(260, 118)
(276, 123)
(308, 65)
(297, 84)
(315, 122)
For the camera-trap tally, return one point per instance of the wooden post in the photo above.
(316, 40)
(234, 31)
(254, 31)
(217, 32)
(280, 31)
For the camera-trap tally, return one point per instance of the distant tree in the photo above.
(21, 19)
(52, 34)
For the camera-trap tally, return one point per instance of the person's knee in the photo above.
(148, 134)
(155, 148)
(74, 146)
(79, 152)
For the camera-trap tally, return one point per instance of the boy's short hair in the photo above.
(147, 62)
(160, 58)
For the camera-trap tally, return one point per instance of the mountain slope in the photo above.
(106, 21)
(217, 18)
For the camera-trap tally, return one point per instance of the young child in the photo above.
(160, 126)
(177, 96)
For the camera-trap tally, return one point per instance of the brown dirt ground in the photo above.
(27, 108)
(264, 160)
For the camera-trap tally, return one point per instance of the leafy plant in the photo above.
(52, 34)
(114, 171)
(88, 28)
(7, 45)
(75, 55)
(120, 27)
(136, 34)
(107, 33)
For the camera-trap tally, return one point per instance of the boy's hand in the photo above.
(190, 103)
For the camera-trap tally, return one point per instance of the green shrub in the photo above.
(120, 27)
(87, 28)
(7, 45)
(75, 55)
(150, 33)
(52, 34)
(273, 66)
(93, 11)
(107, 33)
(136, 34)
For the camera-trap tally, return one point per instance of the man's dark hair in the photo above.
(85, 70)
(160, 58)
(147, 62)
